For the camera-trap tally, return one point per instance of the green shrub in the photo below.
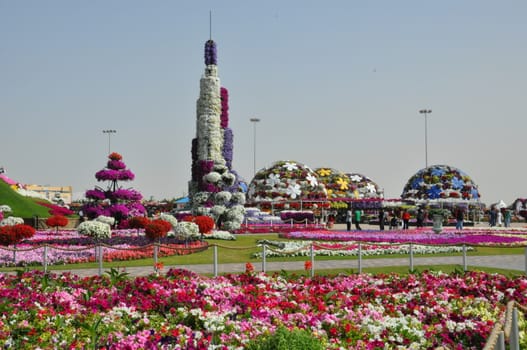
(285, 339)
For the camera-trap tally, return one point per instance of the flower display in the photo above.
(57, 221)
(156, 229)
(438, 182)
(95, 229)
(449, 236)
(363, 187)
(285, 181)
(115, 201)
(338, 184)
(73, 247)
(187, 228)
(183, 310)
(11, 221)
(212, 149)
(13, 234)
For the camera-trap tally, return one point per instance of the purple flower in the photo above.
(115, 164)
(210, 53)
(95, 194)
(228, 147)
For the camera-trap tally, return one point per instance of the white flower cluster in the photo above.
(169, 218)
(223, 235)
(5, 208)
(187, 229)
(95, 229)
(302, 248)
(106, 219)
(11, 221)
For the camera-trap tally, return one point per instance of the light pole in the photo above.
(426, 112)
(254, 121)
(109, 132)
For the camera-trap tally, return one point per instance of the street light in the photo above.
(426, 112)
(254, 121)
(109, 132)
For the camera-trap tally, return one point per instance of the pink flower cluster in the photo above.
(188, 311)
(473, 236)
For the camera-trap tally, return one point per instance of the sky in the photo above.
(335, 84)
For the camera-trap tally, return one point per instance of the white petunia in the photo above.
(273, 179)
(290, 166)
(312, 180)
(356, 178)
(293, 190)
(371, 188)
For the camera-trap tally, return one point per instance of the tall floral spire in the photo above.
(212, 189)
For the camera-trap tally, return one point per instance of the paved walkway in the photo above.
(511, 262)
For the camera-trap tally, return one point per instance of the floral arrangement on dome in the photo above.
(364, 187)
(338, 184)
(114, 201)
(286, 181)
(215, 189)
(439, 182)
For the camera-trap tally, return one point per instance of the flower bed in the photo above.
(486, 237)
(188, 311)
(70, 247)
(303, 248)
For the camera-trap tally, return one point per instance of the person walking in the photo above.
(507, 218)
(381, 219)
(348, 219)
(460, 216)
(499, 217)
(406, 219)
(420, 218)
(357, 219)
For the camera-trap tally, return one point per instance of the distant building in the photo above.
(55, 194)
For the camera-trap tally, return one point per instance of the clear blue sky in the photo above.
(336, 84)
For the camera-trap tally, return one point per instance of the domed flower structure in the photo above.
(338, 184)
(286, 181)
(363, 187)
(440, 182)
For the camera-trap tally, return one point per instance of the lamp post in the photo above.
(254, 121)
(109, 132)
(426, 112)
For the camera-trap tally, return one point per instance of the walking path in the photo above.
(510, 262)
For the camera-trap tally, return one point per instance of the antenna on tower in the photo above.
(210, 24)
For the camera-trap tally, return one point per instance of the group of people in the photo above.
(499, 217)
(354, 216)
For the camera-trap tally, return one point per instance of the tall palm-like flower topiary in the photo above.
(114, 201)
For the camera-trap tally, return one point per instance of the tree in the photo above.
(114, 201)
(14, 234)
(57, 221)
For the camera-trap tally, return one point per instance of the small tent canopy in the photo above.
(183, 200)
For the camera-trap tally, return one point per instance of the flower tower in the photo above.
(214, 189)
(115, 201)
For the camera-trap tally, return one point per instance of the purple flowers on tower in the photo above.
(210, 53)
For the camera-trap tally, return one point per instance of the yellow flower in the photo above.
(324, 172)
(330, 192)
(342, 183)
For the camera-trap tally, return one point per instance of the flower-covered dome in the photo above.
(364, 187)
(440, 182)
(337, 183)
(286, 181)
